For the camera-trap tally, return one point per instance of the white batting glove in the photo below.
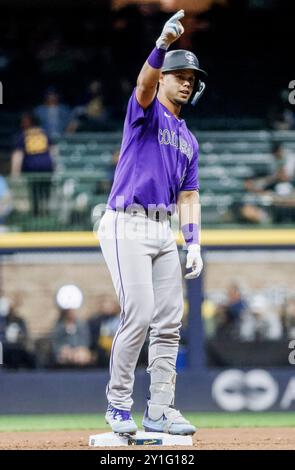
(172, 30)
(194, 261)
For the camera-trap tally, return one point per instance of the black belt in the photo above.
(156, 215)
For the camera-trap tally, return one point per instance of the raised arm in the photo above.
(149, 75)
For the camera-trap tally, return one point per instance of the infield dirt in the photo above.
(204, 439)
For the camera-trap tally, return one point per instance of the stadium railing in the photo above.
(86, 164)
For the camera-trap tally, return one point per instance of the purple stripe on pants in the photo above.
(123, 311)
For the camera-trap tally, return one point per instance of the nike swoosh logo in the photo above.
(167, 115)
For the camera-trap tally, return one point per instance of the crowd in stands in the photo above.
(73, 342)
(278, 186)
(14, 337)
(267, 198)
(241, 317)
(78, 343)
(105, 47)
(263, 199)
(77, 76)
(57, 118)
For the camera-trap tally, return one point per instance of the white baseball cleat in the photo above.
(120, 421)
(166, 419)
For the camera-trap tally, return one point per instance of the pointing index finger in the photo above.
(177, 16)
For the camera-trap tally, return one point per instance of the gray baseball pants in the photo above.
(142, 257)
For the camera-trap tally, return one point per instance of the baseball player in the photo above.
(156, 173)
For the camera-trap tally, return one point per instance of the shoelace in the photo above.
(124, 415)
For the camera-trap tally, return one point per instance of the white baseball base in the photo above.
(111, 439)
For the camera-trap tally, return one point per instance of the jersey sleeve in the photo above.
(191, 180)
(136, 115)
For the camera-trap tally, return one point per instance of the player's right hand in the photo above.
(172, 30)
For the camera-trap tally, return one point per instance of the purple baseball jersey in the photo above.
(158, 158)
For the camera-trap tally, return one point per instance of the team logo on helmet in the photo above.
(190, 58)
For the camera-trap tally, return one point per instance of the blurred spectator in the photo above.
(282, 170)
(34, 153)
(53, 116)
(90, 114)
(70, 337)
(14, 337)
(283, 159)
(103, 326)
(260, 322)
(71, 340)
(249, 213)
(5, 201)
(279, 188)
(230, 314)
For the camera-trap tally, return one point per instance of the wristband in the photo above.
(190, 233)
(156, 58)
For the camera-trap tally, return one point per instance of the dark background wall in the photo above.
(245, 46)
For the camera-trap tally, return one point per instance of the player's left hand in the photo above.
(172, 31)
(194, 261)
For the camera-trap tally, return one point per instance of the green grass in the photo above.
(91, 421)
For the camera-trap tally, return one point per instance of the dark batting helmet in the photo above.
(182, 59)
